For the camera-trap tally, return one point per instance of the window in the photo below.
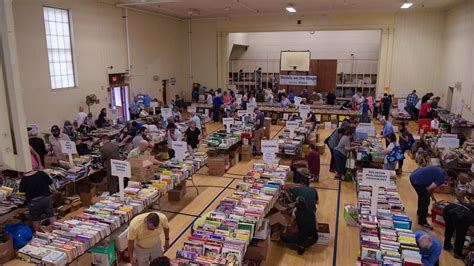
(58, 41)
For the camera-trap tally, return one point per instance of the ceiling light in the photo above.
(290, 9)
(407, 5)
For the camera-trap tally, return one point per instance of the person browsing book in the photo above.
(144, 237)
(430, 248)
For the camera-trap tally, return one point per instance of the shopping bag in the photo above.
(396, 154)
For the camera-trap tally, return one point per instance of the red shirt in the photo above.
(425, 109)
(313, 161)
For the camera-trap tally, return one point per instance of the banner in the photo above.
(298, 80)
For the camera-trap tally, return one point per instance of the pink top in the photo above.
(227, 98)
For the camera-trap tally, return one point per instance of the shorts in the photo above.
(40, 206)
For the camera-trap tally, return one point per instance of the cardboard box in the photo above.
(120, 238)
(246, 149)
(286, 161)
(321, 148)
(142, 168)
(437, 216)
(323, 234)
(87, 192)
(257, 250)
(7, 252)
(246, 157)
(175, 194)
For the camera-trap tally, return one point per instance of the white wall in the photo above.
(417, 52)
(99, 41)
(364, 44)
(458, 57)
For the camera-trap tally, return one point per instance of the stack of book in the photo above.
(71, 238)
(223, 237)
(386, 237)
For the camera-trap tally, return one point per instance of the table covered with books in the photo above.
(224, 236)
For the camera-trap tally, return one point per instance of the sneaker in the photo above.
(427, 226)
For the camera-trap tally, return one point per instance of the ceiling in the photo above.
(233, 8)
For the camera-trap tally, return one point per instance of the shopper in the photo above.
(387, 129)
(227, 98)
(307, 234)
(69, 130)
(55, 141)
(425, 110)
(310, 194)
(102, 121)
(172, 134)
(313, 161)
(141, 135)
(109, 151)
(425, 180)
(434, 124)
(331, 98)
(216, 108)
(147, 100)
(144, 237)
(176, 114)
(37, 144)
(332, 142)
(197, 120)
(89, 123)
(259, 130)
(458, 217)
(406, 140)
(304, 94)
(80, 117)
(285, 102)
(340, 152)
(365, 118)
(161, 261)
(412, 100)
(35, 184)
(390, 161)
(291, 96)
(430, 248)
(426, 97)
(192, 138)
(386, 105)
(135, 108)
(142, 150)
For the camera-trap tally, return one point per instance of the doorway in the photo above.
(449, 99)
(119, 102)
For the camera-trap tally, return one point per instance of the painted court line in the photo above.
(177, 213)
(200, 214)
(334, 257)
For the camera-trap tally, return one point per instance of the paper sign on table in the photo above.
(166, 112)
(180, 148)
(291, 126)
(121, 169)
(298, 100)
(269, 157)
(206, 112)
(304, 111)
(238, 98)
(192, 109)
(241, 113)
(154, 105)
(376, 178)
(228, 122)
(68, 147)
(269, 146)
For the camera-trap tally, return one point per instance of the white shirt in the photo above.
(434, 124)
(209, 99)
(151, 128)
(197, 121)
(170, 140)
(253, 101)
(81, 116)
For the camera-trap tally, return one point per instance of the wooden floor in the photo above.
(344, 246)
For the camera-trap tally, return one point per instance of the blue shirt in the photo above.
(147, 100)
(291, 96)
(217, 101)
(135, 107)
(412, 98)
(429, 256)
(387, 129)
(334, 139)
(260, 120)
(428, 175)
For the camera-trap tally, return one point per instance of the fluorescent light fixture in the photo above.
(406, 5)
(290, 9)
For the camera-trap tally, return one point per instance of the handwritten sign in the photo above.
(154, 105)
(241, 113)
(292, 125)
(298, 100)
(238, 98)
(121, 169)
(192, 109)
(166, 112)
(269, 157)
(68, 147)
(180, 148)
(269, 146)
(304, 111)
(376, 178)
(228, 122)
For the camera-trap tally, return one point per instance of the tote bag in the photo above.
(396, 154)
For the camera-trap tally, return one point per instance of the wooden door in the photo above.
(326, 71)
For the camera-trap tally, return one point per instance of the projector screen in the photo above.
(291, 59)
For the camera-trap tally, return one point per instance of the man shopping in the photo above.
(144, 237)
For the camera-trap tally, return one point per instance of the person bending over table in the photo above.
(425, 180)
(108, 151)
(340, 152)
(458, 217)
(142, 150)
(144, 237)
(35, 184)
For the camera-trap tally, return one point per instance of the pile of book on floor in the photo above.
(10, 198)
(71, 238)
(386, 238)
(225, 234)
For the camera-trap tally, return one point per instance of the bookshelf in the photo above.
(356, 76)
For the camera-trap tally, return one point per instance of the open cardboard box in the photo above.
(142, 168)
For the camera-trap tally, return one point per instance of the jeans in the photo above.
(410, 110)
(453, 224)
(332, 164)
(423, 202)
(258, 135)
(340, 162)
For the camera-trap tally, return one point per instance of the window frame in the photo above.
(72, 48)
